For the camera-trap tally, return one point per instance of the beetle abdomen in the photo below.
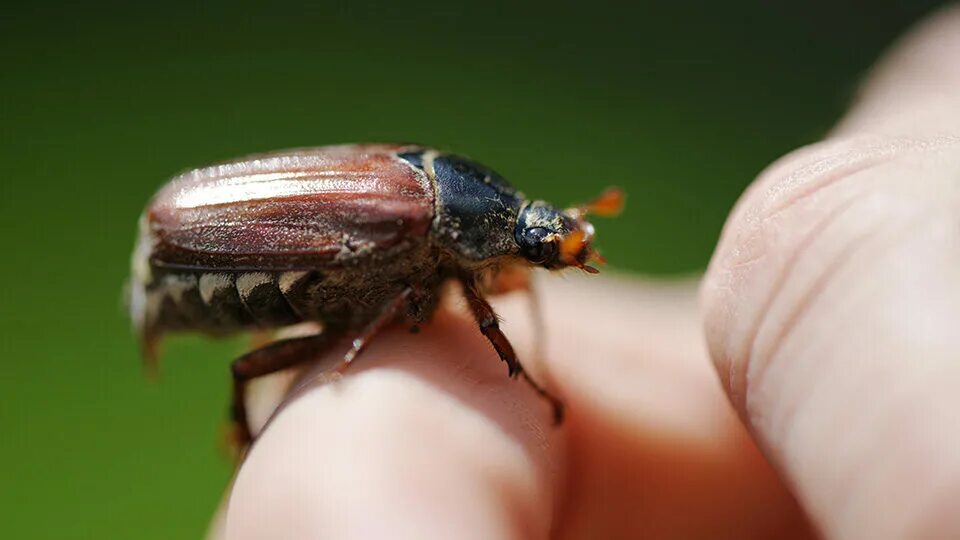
(219, 302)
(274, 239)
(222, 303)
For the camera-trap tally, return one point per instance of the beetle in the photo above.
(352, 236)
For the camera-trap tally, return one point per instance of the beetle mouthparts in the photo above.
(573, 248)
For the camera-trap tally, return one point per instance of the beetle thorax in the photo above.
(476, 210)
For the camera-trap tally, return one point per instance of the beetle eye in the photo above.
(534, 249)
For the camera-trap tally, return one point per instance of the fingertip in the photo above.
(427, 438)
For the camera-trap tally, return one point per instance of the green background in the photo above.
(679, 103)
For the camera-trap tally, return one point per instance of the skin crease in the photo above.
(829, 311)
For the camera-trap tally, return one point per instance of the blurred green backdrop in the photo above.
(680, 103)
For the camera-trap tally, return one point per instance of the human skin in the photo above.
(830, 311)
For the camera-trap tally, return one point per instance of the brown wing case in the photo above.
(306, 208)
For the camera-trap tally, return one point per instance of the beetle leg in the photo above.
(274, 357)
(386, 316)
(490, 327)
(486, 317)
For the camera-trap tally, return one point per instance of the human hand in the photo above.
(428, 438)
(830, 311)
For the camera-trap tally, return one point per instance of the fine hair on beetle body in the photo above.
(354, 237)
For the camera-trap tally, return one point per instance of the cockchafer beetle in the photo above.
(352, 236)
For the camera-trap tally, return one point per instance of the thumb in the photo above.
(832, 304)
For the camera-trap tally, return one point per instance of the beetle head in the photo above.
(557, 239)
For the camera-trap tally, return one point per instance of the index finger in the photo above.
(425, 438)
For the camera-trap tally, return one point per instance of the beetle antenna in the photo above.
(607, 204)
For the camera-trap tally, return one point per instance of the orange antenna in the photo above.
(607, 204)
